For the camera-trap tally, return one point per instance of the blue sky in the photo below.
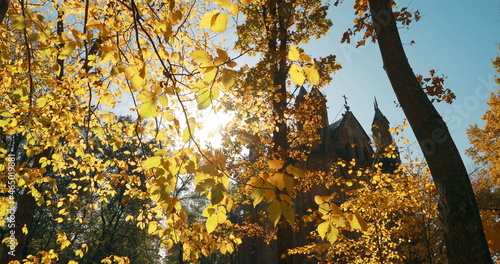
(457, 38)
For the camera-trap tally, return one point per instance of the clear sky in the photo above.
(457, 38)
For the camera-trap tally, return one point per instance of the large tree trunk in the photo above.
(277, 43)
(23, 217)
(463, 232)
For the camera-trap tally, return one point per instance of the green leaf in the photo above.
(211, 223)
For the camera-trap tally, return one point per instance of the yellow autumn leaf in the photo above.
(223, 3)
(245, 2)
(220, 23)
(274, 212)
(68, 48)
(228, 80)
(19, 23)
(234, 9)
(148, 109)
(208, 19)
(204, 100)
(293, 53)
(297, 74)
(152, 227)
(152, 162)
(312, 74)
(201, 56)
(275, 164)
(357, 222)
(323, 228)
(211, 223)
(163, 99)
(297, 172)
(333, 234)
(136, 83)
(25, 230)
(279, 180)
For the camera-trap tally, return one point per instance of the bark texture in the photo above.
(463, 231)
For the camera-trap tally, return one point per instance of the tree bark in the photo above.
(23, 217)
(463, 231)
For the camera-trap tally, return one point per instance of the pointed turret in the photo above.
(380, 130)
(383, 140)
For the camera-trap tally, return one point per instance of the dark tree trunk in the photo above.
(23, 217)
(277, 43)
(463, 232)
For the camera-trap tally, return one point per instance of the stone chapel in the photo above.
(343, 139)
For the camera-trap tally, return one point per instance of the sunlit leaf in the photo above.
(152, 162)
(148, 109)
(323, 228)
(274, 212)
(234, 9)
(208, 19)
(220, 23)
(312, 74)
(223, 3)
(228, 80)
(357, 222)
(297, 74)
(275, 164)
(211, 223)
(201, 56)
(293, 53)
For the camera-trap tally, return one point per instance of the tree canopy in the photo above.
(83, 182)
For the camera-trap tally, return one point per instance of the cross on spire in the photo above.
(345, 103)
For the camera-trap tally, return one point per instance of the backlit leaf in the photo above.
(211, 223)
(275, 164)
(201, 56)
(148, 109)
(293, 53)
(297, 74)
(312, 74)
(152, 162)
(234, 9)
(223, 3)
(357, 222)
(274, 212)
(323, 228)
(220, 23)
(228, 80)
(208, 19)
